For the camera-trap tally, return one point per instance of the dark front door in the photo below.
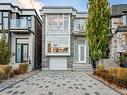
(21, 53)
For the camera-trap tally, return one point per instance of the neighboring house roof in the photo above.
(118, 10)
(121, 29)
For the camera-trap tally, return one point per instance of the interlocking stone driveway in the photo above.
(59, 83)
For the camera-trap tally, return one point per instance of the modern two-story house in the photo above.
(64, 43)
(23, 28)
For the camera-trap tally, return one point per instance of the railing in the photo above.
(18, 24)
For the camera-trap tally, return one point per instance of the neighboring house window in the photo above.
(5, 20)
(79, 24)
(58, 23)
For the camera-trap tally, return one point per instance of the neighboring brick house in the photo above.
(118, 43)
(63, 38)
(24, 29)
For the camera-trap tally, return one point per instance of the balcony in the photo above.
(19, 26)
(79, 32)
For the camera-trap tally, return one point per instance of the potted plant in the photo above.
(123, 60)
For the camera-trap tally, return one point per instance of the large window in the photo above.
(57, 44)
(58, 23)
(79, 24)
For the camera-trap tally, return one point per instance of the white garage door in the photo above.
(57, 63)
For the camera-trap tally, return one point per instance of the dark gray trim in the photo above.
(33, 15)
(57, 7)
(121, 29)
(62, 7)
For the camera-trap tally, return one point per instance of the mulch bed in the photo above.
(112, 86)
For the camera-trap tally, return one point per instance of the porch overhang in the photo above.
(18, 31)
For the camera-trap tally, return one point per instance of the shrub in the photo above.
(23, 68)
(7, 69)
(121, 82)
(113, 71)
(4, 50)
(122, 73)
(110, 78)
(101, 67)
(12, 74)
(101, 73)
(1, 73)
(118, 72)
(16, 71)
(117, 76)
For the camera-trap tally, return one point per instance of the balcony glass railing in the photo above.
(19, 24)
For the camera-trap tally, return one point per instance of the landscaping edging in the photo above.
(17, 79)
(107, 84)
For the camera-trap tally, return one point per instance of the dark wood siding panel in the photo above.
(38, 43)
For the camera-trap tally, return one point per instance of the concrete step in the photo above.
(82, 67)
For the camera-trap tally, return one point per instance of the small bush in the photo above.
(12, 74)
(7, 69)
(16, 72)
(1, 73)
(102, 73)
(101, 66)
(110, 78)
(23, 68)
(113, 71)
(122, 73)
(118, 72)
(117, 76)
(121, 82)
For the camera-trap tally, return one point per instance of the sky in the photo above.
(80, 5)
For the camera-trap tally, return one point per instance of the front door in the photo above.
(24, 52)
(21, 53)
(81, 54)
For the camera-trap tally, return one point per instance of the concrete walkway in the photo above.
(59, 83)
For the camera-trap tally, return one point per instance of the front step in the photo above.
(82, 67)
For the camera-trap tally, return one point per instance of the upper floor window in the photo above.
(79, 24)
(57, 23)
(5, 20)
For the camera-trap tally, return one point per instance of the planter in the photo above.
(124, 65)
